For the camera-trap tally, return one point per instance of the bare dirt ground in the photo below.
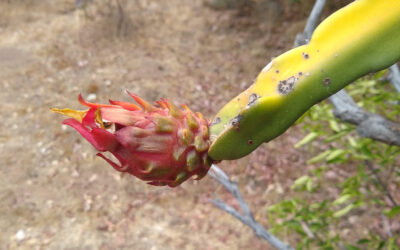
(55, 194)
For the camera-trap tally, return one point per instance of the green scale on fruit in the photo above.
(361, 38)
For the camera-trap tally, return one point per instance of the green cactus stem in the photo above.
(360, 38)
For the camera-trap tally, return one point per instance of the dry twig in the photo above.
(246, 217)
(394, 76)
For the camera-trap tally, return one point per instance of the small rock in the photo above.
(83, 63)
(93, 178)
(91, 97)
(20, 235)
(49, 203)
(107, 82)
(64, 127)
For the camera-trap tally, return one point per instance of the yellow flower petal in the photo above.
(76, 114)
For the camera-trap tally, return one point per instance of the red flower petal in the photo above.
(113, 164)
(146, 105)
(121, 116)
(101, 139)
(94, 105)
(126, 105)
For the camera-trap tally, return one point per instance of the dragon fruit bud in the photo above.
(161, 144)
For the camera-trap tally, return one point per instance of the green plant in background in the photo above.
(361, 189)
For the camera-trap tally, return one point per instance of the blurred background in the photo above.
(55, 194)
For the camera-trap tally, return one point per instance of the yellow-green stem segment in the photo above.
(360, 38)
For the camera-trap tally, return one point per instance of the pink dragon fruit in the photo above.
(162, 144)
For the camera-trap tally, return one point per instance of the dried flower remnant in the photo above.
(162, 144)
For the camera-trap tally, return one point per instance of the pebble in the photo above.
(91, 97)
(43, 150)
(64, 127)
(49, 203)
(82, 63)
(93, 178)
(107, 82)
(114, 197)
(20, 235)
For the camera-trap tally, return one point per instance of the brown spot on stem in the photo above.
(216, 121)
(286, 86)
(305, 55)
(252, 99)
(327, 81)
(235, 121)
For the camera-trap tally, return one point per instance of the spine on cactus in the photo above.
(362, 37)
